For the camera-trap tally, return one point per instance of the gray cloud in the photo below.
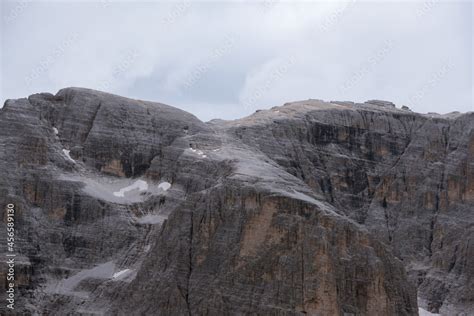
(227, 59)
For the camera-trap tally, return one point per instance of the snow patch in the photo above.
(66, 153)
(151, 219)
(139, 185)
(198, 152)
(67, 286)
(55, 130)
(164, 186)
(424, 312)
(116, 190)
(121, 274)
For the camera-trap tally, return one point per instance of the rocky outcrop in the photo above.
(406, 177)
(127, 207)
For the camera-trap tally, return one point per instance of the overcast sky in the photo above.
(227, 59)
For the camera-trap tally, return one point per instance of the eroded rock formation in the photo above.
(127, 207)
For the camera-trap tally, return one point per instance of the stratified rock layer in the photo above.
(310, 208)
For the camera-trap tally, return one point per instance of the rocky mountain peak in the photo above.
(130, 207)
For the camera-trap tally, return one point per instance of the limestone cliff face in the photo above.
(407, 177)
(127, 207)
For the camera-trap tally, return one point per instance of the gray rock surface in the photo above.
(127, 207)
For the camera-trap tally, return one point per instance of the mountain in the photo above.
(128, 207)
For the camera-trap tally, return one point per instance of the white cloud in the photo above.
(149, 50)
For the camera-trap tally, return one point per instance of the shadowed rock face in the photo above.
(127, 207)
